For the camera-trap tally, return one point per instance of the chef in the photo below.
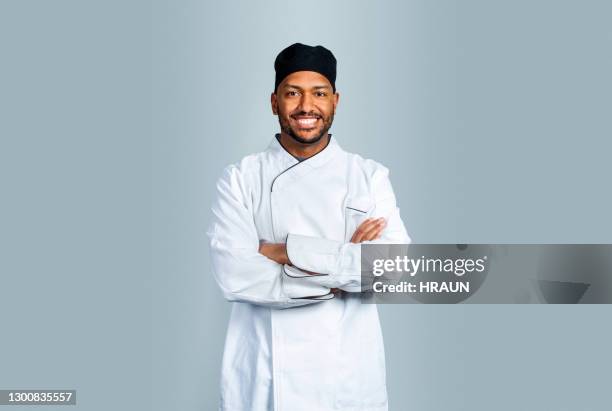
(285, 236)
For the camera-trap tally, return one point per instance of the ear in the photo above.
(336, 99)
(274, 103)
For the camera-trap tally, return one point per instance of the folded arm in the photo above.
(242, 273)
(340, 263)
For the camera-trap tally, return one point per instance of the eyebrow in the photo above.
(300, 88)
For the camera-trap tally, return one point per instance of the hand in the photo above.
(369, 230)
(276, 252)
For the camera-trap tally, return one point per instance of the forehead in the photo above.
(306, 79)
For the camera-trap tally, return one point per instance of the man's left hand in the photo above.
(275, 252)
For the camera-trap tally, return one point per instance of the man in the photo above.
(285, 242)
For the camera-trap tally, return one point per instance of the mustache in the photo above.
(308, 114)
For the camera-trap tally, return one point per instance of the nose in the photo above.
(306, 103)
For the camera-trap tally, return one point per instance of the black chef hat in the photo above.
(300, 57)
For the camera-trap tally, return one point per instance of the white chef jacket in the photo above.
(291, 344)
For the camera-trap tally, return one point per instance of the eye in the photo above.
(292, 93)
(320, 94)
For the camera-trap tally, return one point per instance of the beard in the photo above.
(322, 131)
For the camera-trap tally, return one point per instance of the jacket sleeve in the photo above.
(339, 264)
(242, 273)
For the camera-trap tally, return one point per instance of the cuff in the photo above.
(315, 254)
(295, 289)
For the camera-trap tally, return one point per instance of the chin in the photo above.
(311, 135)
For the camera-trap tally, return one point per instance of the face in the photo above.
(305, 104)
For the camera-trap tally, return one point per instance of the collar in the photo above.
(322, 157)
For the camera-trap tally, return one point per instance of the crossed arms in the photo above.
(369, 230)
(248, 271)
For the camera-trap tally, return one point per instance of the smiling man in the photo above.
(285, 239)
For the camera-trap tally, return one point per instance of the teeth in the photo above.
(307, 121)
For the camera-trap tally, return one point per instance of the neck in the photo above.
(298, 149)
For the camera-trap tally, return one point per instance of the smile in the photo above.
(307, 122)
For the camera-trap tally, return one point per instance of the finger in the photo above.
(365, 230)
(371, 235)
(364, 227)
(375, 231)
(360, 230)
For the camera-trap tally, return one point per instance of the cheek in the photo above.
(329, 113)
(327, 108)
(284, 110)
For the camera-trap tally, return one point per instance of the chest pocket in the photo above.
(356, 210)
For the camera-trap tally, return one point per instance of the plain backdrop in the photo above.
(118, 117)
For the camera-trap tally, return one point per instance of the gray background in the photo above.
(117, 118)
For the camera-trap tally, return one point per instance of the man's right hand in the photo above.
(369, 230)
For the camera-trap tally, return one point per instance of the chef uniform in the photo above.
(292, 344)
